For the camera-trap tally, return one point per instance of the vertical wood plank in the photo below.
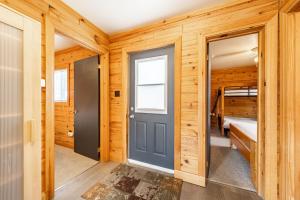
(261, 114)
(104, 107)
(271, 53)
(49, 129)
(177, 104)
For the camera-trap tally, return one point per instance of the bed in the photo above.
(243, 136)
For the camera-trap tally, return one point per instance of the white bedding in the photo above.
(247, 125)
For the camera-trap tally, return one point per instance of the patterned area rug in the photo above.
(132, 183)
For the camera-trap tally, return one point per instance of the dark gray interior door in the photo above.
(151, 138)
(86, 100)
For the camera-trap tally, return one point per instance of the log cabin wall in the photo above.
(64, 111)
(78, 26)
(236, 76)
(188, 28)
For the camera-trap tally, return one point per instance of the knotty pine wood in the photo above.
(80, 29)
(234, 16)
(289, 175)
(241, 107)
(64, 111)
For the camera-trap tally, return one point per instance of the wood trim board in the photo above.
(289, 103)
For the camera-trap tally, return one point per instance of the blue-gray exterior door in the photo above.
(151, 137)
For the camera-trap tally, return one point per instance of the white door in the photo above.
(20, 107)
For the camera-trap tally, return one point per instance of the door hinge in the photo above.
(99, 150)
(265, 83)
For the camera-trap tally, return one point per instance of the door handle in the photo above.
(31, 132)
(131, 116)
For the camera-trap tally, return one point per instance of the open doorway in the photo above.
(77, 115)
(233, 110)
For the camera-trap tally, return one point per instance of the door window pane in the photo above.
(151, 70)
(151, 85)
(151, 97)
(60, 85)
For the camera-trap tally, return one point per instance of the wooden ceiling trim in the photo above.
(191, 16)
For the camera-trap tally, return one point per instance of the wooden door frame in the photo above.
(289, 101)
(267, 149)
(51, 27)
(143, 46)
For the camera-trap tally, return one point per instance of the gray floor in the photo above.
(80, 184)
(69, 164)
(228, 166)
(215, 191)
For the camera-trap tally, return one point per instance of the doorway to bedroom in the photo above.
(233, 78)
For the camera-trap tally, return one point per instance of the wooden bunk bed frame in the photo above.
(246, 146)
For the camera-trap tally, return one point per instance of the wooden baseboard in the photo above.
(190, 178)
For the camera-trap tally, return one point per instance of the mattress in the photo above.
(246, 125)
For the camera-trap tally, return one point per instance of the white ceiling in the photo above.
(234, 52)
(62, 42)
(119, 15)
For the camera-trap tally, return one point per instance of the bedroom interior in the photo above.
(233, 110)
(166, 112)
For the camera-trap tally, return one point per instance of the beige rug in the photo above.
(69, 164)
(132, 183)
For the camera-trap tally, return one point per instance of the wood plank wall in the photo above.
(64, 111)
(289, 175)
(78, 26)
(188, 27)
(236, 76)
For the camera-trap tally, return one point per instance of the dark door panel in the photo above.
(86, 100)
(151, 133)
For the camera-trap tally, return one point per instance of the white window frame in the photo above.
(152, 110)
(67, 86)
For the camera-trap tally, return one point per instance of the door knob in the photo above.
(131, 116)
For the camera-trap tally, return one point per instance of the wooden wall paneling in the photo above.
(271, 62)
(238, 16)
(287, 6)
(297, 108)
(261, 114)
(63, 110)
(104, 107)
(289, 104)
(241, 107)
(202, 101)
(49, 112)
(69, 22)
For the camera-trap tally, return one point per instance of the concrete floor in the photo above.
(69, 164)
(80, 184)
